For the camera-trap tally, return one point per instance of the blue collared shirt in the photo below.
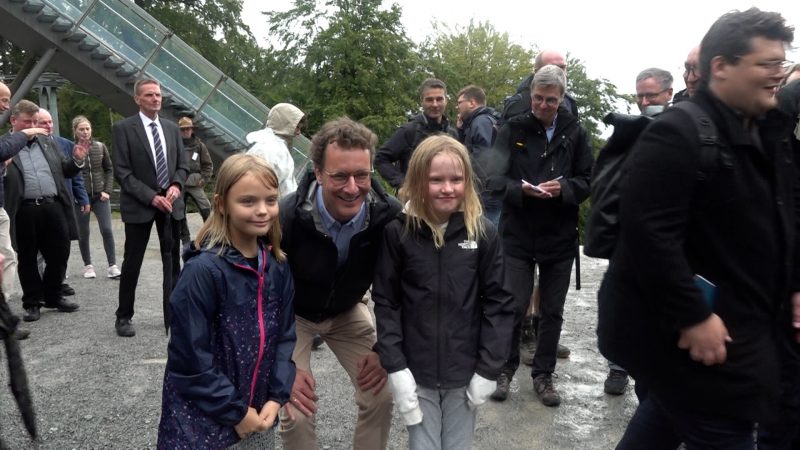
(549, 131)
(341, 233)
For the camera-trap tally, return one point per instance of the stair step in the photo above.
(76, 36)
(61, 25)
(100, 54)
(88, 45)
(126, 71)
(33, 6)
(113, 63)
(48, 15)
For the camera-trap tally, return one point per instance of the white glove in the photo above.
(404, 390)
(479, 390)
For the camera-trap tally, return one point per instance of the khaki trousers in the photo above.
(350, 336)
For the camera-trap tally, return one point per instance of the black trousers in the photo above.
(554, 280)
(137, 236)
(41, 229)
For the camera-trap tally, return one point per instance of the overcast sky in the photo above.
(614, 39)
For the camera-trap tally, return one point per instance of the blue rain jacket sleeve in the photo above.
(193, 306)
(281, 377)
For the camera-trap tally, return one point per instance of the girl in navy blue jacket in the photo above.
(229, 366)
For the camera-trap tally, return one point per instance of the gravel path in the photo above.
(94, 390)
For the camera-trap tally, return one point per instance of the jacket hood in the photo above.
(230, 254)
(283, 119)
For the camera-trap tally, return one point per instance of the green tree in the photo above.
(348, 57)
(479, 55)
(595, 98)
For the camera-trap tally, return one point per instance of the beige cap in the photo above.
(185, 122)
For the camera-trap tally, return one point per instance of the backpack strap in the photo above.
(710, 146)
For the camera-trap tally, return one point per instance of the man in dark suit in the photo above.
(150, 167)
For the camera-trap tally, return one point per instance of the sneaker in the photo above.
(113, 271)
(616, 382)
(562, 352)
(88, 271)
(317, 342)
(543, 386)
(503, 387)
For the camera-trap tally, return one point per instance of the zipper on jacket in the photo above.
(439, 353)
(261, 328)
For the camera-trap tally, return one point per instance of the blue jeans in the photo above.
(102, 211)
(654, 426)
(447, 420)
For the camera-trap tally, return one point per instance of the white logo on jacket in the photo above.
(469, 245)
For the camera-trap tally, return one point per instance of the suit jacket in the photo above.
(60, 166)
(134, 168)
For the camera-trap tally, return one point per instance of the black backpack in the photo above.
(602, 224)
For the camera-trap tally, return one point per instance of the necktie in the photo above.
(161, 162)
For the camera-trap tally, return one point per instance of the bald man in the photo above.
(691, 75)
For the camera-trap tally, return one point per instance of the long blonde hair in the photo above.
(415, 189)
(215, 230)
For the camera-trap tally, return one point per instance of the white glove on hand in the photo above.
(404, 390)
(479, 390)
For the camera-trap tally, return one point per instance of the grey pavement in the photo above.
(94, 390)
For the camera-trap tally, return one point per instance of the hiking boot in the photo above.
(616, 382)
(88, 271)
(503, 387)
(547, 393)
(562, 352)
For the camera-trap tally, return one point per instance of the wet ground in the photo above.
(94, 390)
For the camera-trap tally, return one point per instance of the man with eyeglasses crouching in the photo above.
(332, 227)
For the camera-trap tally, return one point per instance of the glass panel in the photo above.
(184, 72)
(236, 111)
(71, 9)
(123, 31)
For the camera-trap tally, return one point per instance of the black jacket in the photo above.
(322, 290)
(401, 145)
(736, 228)
(534, 228)
(445, 314)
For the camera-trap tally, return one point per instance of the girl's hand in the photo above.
(252, 423)
(104, 197)
(269, 413)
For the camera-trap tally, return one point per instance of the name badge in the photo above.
(194, 156)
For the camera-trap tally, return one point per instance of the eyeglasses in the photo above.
(690, 69)
(550, 101)
(772, 65)
(650, 96)
(775, 65)
(341, 178)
